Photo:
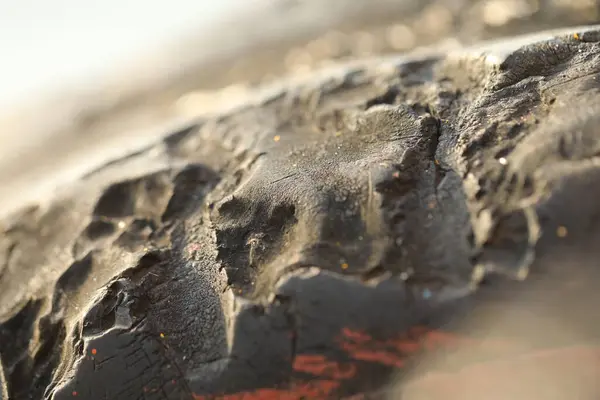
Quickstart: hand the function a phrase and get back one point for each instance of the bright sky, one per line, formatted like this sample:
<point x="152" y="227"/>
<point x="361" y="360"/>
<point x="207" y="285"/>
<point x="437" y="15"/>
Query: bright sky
<point x="45" y="42"/>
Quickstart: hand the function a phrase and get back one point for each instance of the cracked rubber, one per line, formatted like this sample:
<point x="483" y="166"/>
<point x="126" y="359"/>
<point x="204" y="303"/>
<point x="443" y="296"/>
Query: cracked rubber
<point x="327" y="239"/>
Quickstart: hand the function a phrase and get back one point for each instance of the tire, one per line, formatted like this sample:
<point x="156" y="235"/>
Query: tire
<point x="346" y="235"/>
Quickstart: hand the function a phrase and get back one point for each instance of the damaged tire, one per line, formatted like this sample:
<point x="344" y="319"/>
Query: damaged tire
<point x="372" y="231"/>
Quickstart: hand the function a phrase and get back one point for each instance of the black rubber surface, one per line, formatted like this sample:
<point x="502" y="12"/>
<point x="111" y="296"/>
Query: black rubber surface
<point x="337" y="236"/>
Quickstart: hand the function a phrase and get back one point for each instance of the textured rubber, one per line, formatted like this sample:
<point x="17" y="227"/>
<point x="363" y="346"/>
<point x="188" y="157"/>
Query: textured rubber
<point x="334" y="237"/>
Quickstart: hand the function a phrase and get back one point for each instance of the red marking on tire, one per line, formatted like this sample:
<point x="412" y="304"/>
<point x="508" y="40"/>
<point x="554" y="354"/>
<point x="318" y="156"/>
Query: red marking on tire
<point x="318" y="365"/>
<point x="394" y="352"/>
<point x="357" y="336"/>
<point x="377" y="356"/>
<point x="319" y="390"/>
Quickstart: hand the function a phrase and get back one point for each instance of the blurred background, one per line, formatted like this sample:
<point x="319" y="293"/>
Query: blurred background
<point x="85" y="81"/>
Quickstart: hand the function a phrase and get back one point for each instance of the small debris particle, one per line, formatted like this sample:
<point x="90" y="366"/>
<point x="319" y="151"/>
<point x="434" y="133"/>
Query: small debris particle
<point x="437" y="162"/>
<point x="344" y="265"/>
<point x="427" y="294"/>
<point x="276" y="138"/>
<point x="121" y="224"/>
<point x="74" y="393"/>
<point x="396" y="174"/>
<point x="502" y="160"/>
<point x="338" y="134"/>
<point x="561" y="231"/>
<point x="576" y="36"/>
<point x="431" y="205"/>
<point x="94" y="351"/>
<point x="162" y="335"/>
